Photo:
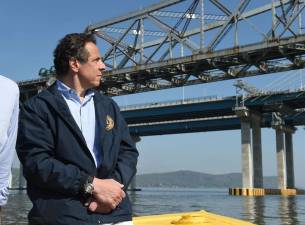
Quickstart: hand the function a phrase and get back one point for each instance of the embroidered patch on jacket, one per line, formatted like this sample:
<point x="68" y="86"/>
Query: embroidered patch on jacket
<point x="109" y="123"/>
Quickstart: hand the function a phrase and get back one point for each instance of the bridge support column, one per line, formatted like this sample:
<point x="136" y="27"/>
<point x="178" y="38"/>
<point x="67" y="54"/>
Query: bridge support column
<point x="281" y="159"/>
<point x="257" y="152"/>
<point x="247" y="158"/>
<point x="22" y="182"/>
<point x="289" y="158"/>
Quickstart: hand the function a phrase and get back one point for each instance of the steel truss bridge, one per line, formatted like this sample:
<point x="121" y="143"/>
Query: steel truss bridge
<point x="185" y="42"/>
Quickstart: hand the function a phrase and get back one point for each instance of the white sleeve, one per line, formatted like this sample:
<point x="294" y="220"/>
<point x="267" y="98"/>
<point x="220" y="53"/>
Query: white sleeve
<point x="9" y="111"/>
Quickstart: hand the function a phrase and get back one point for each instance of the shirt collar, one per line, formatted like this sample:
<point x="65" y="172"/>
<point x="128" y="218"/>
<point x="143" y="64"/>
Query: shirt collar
<point x="71" y="94"/>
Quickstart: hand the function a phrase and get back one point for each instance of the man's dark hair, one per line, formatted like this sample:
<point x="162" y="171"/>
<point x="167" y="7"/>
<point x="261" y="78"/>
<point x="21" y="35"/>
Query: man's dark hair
<point x="71" y="46"/>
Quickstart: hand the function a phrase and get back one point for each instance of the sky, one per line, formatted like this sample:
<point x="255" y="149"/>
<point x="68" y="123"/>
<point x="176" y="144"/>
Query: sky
<point x="30" y="31"/>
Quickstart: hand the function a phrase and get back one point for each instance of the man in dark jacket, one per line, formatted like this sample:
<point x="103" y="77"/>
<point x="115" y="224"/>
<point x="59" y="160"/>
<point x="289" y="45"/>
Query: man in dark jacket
<point x="77" y="154"/>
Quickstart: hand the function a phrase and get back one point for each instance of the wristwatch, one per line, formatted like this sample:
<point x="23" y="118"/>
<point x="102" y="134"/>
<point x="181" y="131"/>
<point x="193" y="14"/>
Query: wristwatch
<point x="88" y="190"/>
<point x="88" y="186"/>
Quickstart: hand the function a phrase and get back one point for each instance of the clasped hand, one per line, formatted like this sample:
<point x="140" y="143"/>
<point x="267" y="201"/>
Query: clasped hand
<point x="107" y="194"/>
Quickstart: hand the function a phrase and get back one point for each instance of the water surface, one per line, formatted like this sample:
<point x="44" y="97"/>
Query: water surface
<point x="267" y="210"/>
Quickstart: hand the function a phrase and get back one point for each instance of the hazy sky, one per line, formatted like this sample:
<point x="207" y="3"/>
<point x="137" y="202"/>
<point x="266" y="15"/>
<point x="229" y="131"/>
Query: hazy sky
<point x="29" y="32"/>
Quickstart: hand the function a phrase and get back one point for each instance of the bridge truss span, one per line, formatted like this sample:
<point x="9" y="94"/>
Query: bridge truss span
<point x="185" y="42"/>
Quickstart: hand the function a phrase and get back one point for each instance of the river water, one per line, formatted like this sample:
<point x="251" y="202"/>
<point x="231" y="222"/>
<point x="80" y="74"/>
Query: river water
<point x="267" y="210"/>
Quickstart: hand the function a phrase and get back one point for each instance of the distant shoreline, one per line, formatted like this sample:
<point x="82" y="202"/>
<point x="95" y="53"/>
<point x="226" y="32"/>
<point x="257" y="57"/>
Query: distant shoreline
<point x="192" y="179"/>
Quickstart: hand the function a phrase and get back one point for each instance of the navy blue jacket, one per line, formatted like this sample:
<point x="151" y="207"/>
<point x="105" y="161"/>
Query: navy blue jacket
<point x="56" y="160"/>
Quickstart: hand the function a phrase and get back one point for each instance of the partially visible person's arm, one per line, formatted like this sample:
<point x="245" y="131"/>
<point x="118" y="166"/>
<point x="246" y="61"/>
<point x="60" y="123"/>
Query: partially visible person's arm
<point x="9" y="110"/>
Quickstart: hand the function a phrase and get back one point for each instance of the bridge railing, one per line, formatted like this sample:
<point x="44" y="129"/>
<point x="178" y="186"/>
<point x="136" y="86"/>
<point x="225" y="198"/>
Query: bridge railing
<point x="170" y="103"/>
<point x="206" y="99"/>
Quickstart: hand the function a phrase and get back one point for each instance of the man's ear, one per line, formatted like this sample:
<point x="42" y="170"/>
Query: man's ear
<point x="74" y="65"/>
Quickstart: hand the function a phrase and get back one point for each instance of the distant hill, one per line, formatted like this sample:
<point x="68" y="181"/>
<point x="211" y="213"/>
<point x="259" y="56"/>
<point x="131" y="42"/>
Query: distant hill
<point x="187" y="179"/>
<point x="191" y="179"/>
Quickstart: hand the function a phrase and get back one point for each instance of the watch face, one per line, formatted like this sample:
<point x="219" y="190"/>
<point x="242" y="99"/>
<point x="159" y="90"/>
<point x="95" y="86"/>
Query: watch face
<point x="89" y="188"/>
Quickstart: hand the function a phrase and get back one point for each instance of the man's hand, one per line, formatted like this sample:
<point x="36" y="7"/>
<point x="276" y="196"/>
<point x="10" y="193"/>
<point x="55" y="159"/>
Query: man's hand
<point x="97" y="207"/>
<point x="107" y="194"/>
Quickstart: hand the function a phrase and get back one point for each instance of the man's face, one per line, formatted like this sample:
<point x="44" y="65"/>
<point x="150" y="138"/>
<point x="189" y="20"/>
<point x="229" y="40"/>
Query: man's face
<point x="90" y="73"/>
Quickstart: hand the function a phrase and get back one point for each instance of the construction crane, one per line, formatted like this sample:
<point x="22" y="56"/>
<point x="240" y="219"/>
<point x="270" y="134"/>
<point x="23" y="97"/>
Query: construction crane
<point x="242" y="85"/>
<point x="241" y="88"/>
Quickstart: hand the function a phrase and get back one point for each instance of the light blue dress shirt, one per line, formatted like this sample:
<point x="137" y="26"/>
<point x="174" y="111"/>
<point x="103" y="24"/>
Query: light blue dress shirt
<point x="84" y="115"/>
<point x="9" y="111"/>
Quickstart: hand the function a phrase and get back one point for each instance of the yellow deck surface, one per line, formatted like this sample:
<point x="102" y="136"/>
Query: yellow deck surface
<point x="188" y="218"/>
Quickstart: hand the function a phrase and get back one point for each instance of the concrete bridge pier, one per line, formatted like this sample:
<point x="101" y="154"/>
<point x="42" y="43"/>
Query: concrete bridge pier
<point x="252" y="166"/>
<point x="289" y="158"/>
<point x="247" y="157"/>
<point x="246" y="152"/>
<point x="257" y="151"/>
<point x="281" y="158"/>
<point x="22" y="181"/>
<point x="284" y="155"/>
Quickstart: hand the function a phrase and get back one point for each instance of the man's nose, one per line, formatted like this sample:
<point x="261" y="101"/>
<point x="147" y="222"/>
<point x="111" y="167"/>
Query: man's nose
<point x="102" y="66"/>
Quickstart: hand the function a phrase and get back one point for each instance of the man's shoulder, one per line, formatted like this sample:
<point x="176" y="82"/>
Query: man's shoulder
<point x="9" y="86"/>
<point x="105" y="99"/>
<point x="37" y="101"/>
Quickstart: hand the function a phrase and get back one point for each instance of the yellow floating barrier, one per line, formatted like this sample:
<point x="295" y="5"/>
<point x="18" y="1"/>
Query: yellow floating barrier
<point x="265" y="191"/>
<point x="188" y="218"/>
<point x="247" y="191"/>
